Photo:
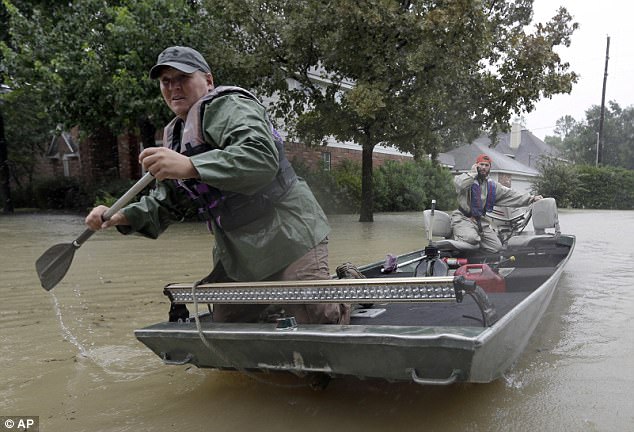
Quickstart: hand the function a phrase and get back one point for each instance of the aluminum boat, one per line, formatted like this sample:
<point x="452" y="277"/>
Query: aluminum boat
<point x="444" y="314"/>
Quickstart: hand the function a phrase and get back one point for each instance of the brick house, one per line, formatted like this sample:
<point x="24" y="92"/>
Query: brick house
<point x="80" y="159"/>
<point x="68" y="156"/>
<point x="334" y="154"/>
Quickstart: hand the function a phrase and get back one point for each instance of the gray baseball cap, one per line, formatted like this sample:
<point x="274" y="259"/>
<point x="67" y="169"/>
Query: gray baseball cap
<point x="184" y="59"/>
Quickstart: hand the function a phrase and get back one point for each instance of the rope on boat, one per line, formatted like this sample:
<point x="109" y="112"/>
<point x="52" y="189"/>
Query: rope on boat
<point x="205" y="342"/>
<point x="197" y="319"/>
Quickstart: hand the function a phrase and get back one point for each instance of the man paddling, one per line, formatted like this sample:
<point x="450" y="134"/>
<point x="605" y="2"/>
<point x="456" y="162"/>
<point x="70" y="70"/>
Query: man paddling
<point x="221" y="155"/>
<point x="477" y="195"/>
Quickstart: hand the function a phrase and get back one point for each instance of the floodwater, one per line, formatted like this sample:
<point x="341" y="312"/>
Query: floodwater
<point x="70" y="357"/>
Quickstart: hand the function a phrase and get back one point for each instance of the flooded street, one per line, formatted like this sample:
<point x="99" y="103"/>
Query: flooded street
<point x="70" y="356"/>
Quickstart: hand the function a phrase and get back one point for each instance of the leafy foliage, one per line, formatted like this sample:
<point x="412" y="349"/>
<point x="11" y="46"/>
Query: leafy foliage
<point x="28" y="131"/>
<point x="605" y="188"/>
<point x="586" y="186"/>
<point x="558" y="180"/>
<point x="88" y="62"/>
<point x="337" y="191"/>
<point x="62" y="193"/>
<point x="404" y="186"/>
<point x="420" y="76"/>
<point x="400" y="186"/>
<point x="578" y="139"/>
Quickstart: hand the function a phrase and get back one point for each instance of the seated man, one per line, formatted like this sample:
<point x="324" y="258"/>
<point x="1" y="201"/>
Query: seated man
<point x="477" y="195"/>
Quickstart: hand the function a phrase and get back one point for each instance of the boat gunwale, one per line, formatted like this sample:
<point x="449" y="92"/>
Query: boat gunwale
<point x="464" y="336"/>
<point x="341" y="332"/>
<point x="518" y="309"/>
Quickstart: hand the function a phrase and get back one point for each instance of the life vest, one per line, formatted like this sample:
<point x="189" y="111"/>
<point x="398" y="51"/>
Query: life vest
<point x="228" y="210"/>
<point x="479" y="209"/>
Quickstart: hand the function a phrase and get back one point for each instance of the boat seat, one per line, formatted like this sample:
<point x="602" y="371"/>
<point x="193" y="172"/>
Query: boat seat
<point x="545" y="217"/>
<point x="442" y="228"/>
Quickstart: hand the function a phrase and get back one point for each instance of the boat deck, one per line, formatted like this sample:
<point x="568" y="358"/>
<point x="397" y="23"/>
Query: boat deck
<point x="519" y="283"/>
<point x="466" y="313"/>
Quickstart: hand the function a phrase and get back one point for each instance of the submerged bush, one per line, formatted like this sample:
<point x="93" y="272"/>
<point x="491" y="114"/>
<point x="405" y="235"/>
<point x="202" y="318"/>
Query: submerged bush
<point x="61" y="193"/>
<point x="557" y="180"/>
<point x="398" y="186"/>
<point x="586" y="186"/>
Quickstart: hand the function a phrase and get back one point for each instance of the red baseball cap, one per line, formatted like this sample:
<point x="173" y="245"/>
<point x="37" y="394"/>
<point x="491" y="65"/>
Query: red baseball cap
<point x="484" y="158"/>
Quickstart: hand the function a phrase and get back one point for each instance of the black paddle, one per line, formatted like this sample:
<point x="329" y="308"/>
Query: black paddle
<point x="54" y="263"/>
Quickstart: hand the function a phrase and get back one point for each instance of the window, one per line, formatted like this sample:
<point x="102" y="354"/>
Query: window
<point x="325" y="160"/>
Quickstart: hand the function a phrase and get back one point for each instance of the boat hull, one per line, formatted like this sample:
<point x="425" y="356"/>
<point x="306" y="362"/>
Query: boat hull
<point x="389" y="352"/>
<point x="425" y="354"/>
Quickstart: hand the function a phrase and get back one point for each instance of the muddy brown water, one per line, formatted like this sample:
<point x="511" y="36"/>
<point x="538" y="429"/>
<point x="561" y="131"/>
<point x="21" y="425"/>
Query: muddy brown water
<point x="70" y="357"/>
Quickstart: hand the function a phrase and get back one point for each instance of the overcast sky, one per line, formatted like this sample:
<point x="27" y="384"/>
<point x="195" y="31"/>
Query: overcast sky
<point x="597" y="20"/>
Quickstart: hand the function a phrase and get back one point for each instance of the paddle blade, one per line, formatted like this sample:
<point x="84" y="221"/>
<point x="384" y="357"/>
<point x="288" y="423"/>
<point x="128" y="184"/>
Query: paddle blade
<point x="53" y="264"/>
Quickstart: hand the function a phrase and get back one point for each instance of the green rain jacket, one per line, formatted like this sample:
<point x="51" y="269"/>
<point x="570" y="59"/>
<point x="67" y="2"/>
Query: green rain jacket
<point x="246" y="161"/>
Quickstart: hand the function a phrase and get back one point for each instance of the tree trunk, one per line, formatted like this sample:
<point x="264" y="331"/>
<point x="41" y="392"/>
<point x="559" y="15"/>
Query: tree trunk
<point x="367" y="189"/>
<point x="104" y="151"/>
<point x="5" y="173"/>
<point x="148" y="131"/>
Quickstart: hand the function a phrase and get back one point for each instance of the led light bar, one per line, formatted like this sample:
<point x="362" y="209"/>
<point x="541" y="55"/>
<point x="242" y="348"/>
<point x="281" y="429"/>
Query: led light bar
<point x="380" y="290"/>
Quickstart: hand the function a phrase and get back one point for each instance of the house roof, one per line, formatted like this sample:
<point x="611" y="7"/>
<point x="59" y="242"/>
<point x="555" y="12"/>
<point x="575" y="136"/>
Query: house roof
<point x="67" y="144"/>
<point x="466" y="155"/>
<point x="529" y="151"/>
<point x="447" y="160"/>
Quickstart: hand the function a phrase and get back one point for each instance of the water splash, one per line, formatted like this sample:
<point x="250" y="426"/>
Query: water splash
<point x="67" y="334"/>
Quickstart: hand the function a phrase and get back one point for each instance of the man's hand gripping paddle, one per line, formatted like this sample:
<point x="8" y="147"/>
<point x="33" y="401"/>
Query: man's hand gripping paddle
<point x="54" y="263"/>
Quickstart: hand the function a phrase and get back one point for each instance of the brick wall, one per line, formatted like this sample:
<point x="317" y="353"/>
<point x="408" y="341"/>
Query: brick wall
<point x="312" y="156"/>
<point x="95" y="163"/>
<point x="129" y="146"/>
<point x="505" y="179"/>
<point x="47" y="167"/>
<point x="90" y="163"/>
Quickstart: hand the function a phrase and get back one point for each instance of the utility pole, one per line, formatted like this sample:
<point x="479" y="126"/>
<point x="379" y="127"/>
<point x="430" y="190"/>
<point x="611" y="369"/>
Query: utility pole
<point x="596" y="161"/>
<point x="605" y="79"/>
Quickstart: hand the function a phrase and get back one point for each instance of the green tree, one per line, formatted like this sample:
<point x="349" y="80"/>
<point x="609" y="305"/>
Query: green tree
<point x="419" y="76"/>
<point x="618" y="137"/>
<point x="26" y="139"/>
<point x="558" y="180"/>
<point x="89" y="61"/>
<point x="563" y="128"/>
<point x="578" y="139"/>
<point x="5" y="175"/>
<point x="604" y="187"/>
<point x="406" y="186"/>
